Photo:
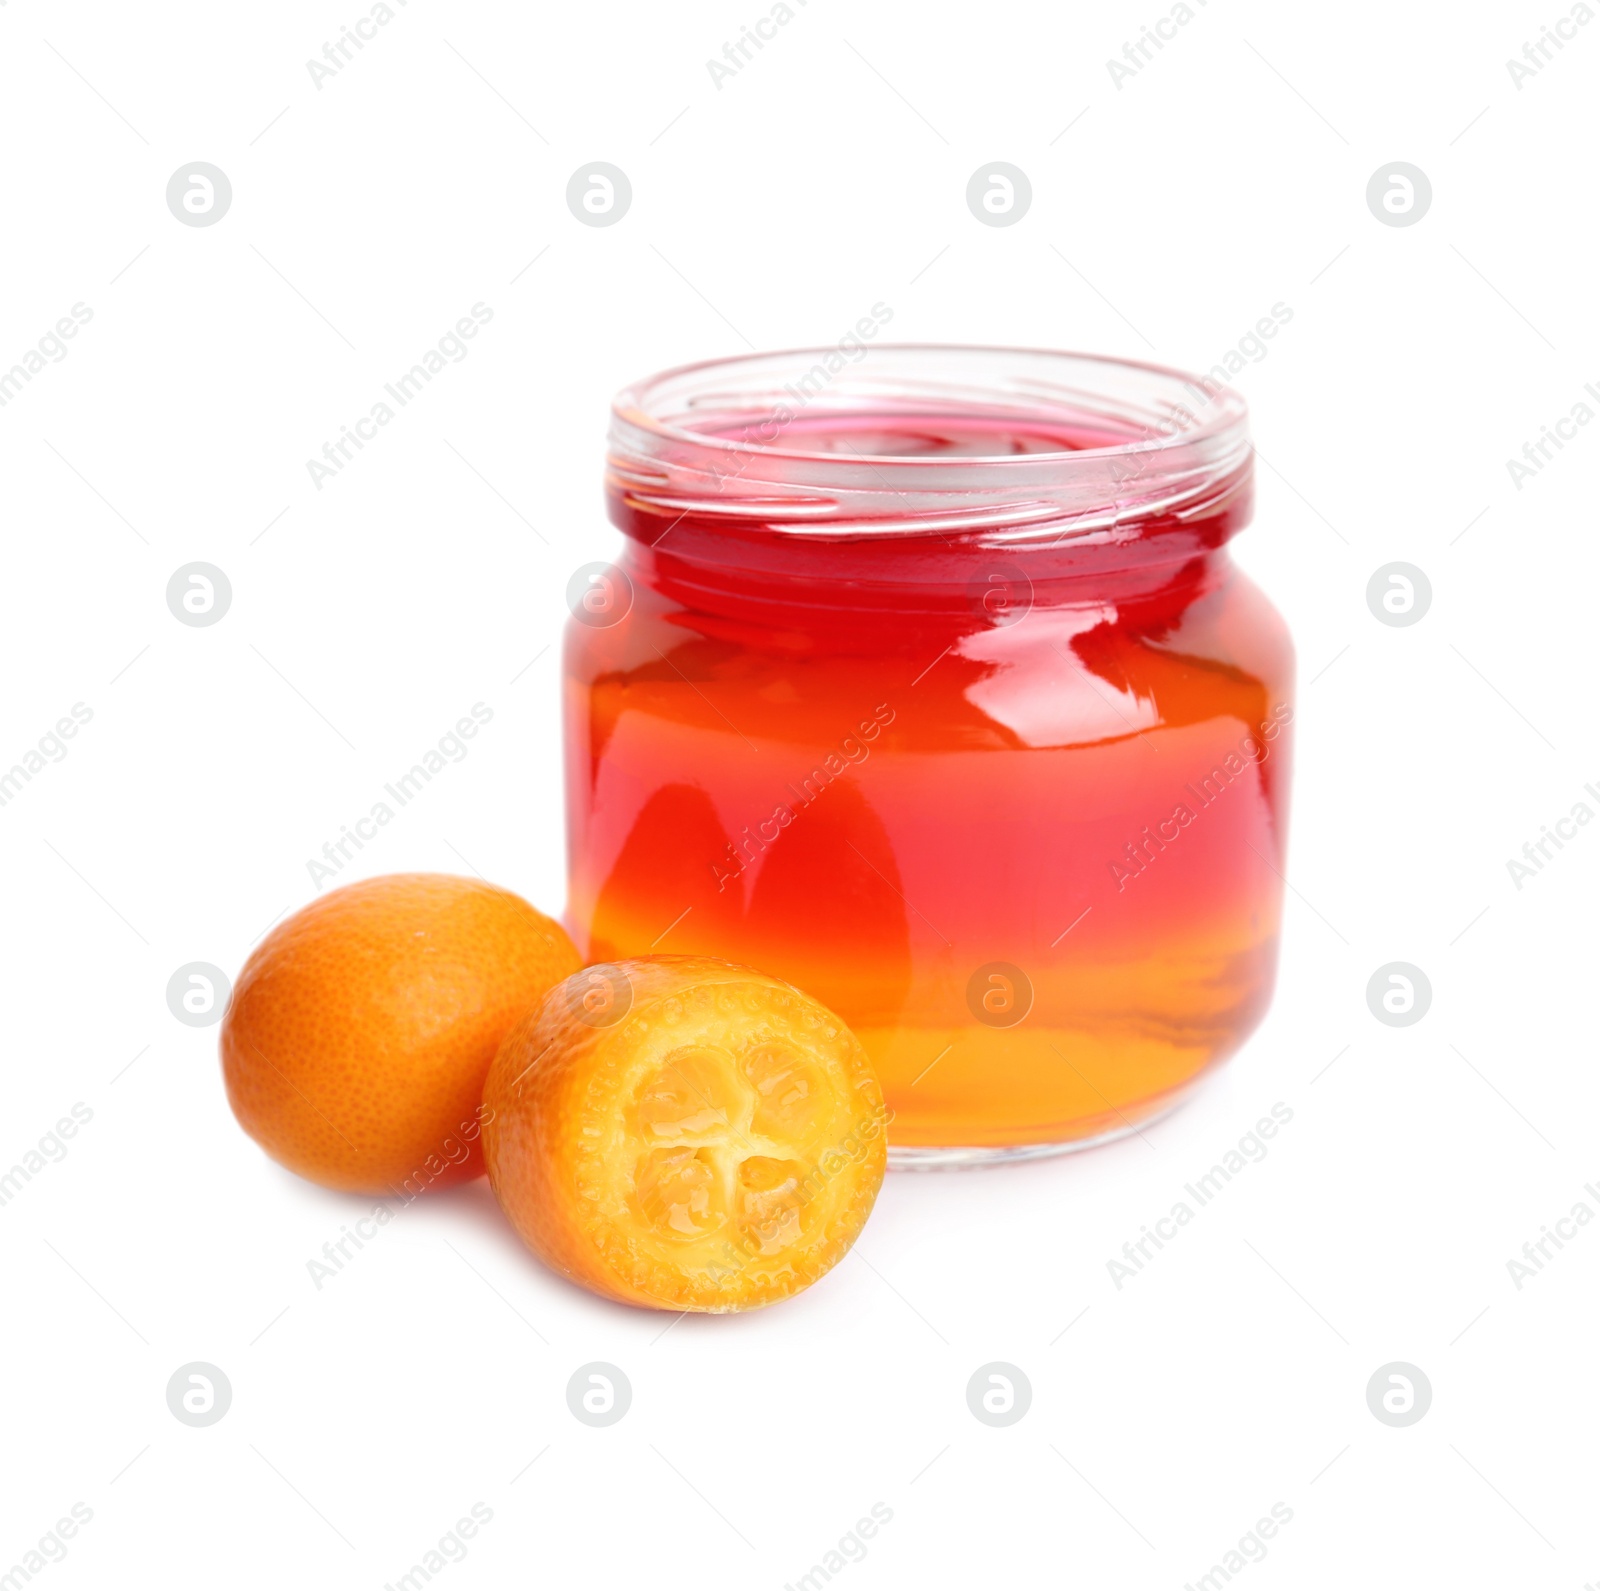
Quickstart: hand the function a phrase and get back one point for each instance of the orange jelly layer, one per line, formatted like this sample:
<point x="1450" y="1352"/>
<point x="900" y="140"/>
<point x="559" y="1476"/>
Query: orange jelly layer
<point x="1029" y="848"/>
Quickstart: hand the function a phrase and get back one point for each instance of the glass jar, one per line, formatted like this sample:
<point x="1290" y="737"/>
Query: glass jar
<point x="926" y="681"/>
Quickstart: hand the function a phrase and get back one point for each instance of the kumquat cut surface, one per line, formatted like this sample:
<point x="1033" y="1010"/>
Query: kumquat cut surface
<point x="682" y="1133"/>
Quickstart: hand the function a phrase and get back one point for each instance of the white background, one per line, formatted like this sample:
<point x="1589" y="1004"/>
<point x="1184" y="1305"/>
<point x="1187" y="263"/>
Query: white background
<point x="1169" y="214"/>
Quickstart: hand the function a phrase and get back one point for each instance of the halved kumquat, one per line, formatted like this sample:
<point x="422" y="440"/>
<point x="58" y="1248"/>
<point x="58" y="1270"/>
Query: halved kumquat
<point x="685" y="1134"/>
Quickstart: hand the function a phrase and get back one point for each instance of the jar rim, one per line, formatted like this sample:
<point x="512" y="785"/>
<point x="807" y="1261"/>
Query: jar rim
<point x="709" y="439"/>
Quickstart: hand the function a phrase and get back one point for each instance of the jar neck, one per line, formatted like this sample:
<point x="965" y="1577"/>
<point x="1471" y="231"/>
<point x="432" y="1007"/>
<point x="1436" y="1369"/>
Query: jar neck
<point x="707" y="565"/>
<point x="893" y="480"/>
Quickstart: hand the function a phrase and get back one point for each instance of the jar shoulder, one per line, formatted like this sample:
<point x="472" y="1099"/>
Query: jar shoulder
<point x="1054" y="674"/>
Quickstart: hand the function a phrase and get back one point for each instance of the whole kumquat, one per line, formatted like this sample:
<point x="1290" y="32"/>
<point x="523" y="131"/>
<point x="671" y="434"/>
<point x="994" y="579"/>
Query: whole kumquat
<point x="360" y="1030"/>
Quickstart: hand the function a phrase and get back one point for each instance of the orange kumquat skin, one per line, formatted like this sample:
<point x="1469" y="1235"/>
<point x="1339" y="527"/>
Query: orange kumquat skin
<point x="356" y="1043"/>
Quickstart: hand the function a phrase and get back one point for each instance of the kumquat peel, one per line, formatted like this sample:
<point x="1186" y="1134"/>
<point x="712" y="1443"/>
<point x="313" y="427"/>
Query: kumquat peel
<point x="360" y="1030"/>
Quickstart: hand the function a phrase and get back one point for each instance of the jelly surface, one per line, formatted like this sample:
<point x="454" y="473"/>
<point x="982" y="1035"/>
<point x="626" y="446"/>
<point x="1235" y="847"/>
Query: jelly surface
<point x="1015" y="813"/>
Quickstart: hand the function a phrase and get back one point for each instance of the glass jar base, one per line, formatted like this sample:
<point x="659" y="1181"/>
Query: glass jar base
<point x="963" y="1157"/>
